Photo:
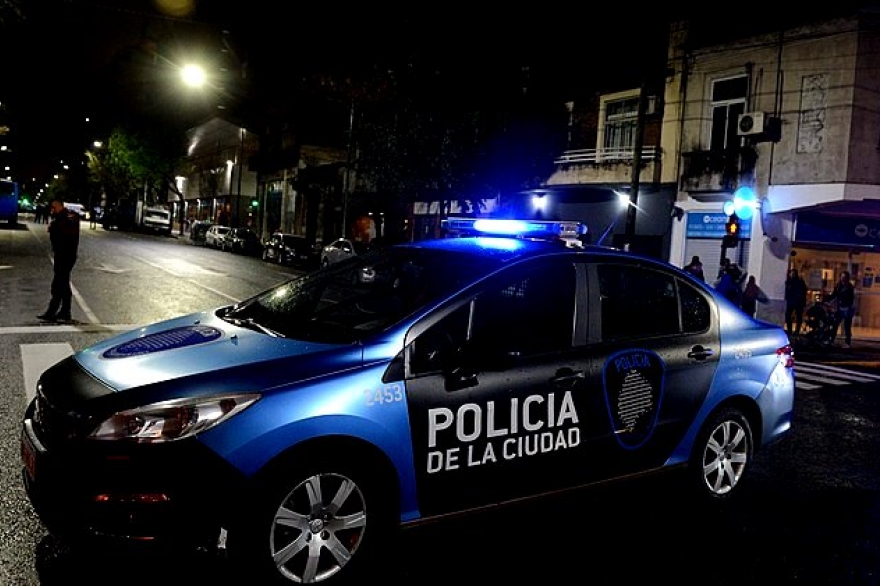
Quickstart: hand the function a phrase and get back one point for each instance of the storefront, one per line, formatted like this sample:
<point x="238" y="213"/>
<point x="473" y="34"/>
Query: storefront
<point x="827" y="245"/>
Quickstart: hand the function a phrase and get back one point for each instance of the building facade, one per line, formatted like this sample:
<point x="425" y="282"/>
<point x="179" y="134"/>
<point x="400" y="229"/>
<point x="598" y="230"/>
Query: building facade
<point x="792" y="115"/>
<point x="795" y="116"/>
<point x="220" y="185"/>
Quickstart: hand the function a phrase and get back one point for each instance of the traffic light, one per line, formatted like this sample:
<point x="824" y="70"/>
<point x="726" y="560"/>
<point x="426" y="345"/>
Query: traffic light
<point x="731" y="232"/>
<point x="255" y="203"/>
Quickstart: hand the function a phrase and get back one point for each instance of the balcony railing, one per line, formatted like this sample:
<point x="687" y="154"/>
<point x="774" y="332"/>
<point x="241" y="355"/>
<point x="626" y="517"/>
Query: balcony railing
<point x="649" y="153"/>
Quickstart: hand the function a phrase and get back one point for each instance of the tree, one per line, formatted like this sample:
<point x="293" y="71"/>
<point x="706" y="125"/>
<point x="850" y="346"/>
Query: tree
<point x="137" y="165"/>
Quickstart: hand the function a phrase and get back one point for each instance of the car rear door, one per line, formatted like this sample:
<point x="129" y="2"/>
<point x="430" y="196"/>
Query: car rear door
<point x="654" y="341"/>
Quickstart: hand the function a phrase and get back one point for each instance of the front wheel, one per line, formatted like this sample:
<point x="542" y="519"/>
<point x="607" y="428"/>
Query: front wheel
<point x="314" y="524"/>
<point x="722" y="454"/>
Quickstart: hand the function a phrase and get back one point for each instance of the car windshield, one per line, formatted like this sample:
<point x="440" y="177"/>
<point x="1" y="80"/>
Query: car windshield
<point x="358" y="297"/>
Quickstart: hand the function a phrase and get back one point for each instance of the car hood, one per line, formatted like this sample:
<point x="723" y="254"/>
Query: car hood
<point x="200" y="343"/>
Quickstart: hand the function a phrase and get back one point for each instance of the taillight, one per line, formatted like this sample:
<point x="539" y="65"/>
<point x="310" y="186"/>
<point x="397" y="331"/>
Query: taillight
<point x="786" y="356"/>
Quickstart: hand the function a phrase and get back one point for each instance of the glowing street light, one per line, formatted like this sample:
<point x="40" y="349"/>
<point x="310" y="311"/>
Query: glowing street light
<point x="193" y="75"/>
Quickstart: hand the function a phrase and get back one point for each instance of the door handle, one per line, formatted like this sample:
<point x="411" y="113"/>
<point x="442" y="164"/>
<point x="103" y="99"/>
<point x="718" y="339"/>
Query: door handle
<point x="567" y="377"/>
<point x="698" y="352"/>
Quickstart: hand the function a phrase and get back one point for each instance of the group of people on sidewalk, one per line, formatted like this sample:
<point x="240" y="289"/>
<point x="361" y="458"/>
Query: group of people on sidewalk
<point x="733" y="284"/>
<point x="841" y="301"/>
<point x="746" y="293"/>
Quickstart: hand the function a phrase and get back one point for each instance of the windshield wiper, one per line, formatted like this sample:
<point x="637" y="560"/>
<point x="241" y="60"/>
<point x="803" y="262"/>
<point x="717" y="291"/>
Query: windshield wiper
<point x="250" y="324"/>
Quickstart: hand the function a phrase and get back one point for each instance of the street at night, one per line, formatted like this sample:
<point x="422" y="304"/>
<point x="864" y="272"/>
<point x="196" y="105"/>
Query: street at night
<point x="809" y="514"/>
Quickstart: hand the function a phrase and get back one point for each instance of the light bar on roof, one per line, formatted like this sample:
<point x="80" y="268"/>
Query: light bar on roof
<point x="547" y="229"/>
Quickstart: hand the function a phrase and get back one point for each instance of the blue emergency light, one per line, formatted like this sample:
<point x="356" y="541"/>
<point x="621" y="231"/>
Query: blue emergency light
<point x="537" y="229"/>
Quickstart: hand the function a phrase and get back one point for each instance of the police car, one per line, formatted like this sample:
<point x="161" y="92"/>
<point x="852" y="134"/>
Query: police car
<point x="301" y="429"/>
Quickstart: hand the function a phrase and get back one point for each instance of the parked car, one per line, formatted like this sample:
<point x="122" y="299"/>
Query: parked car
<point x="306" y="425"/>
<point x="341" y="249"/>
<point x="79" y="208"/>
<point x="216" y="235"/>
<point x="198" y="230"/>
<point x="290" y="249"/>
<point x="242" y="241"/>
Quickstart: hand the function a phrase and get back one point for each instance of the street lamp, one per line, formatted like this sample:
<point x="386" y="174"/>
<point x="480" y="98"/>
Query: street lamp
<point x="193" y="75"/>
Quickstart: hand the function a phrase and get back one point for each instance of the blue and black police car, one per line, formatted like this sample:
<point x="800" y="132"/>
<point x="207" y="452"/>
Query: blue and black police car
<point x="303" y="427"/>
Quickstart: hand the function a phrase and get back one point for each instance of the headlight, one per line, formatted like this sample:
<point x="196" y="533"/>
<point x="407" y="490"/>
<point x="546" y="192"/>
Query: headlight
<point x="171" y="420"/>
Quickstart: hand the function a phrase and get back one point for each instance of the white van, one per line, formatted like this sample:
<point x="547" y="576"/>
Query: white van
<point x="157" y="219"/>
<point x="78" y="208"/>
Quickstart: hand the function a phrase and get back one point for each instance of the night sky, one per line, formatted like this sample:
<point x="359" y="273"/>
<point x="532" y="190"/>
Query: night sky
<point x="60" y="56"/>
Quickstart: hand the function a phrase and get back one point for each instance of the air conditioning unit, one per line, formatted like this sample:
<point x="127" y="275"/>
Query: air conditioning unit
<point x="751" y="123"/>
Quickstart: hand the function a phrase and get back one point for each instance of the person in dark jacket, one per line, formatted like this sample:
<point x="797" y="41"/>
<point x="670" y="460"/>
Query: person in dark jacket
<point x="752" y="295"/>
<point x="730" y="284"/>
<point x="64" y="235"/>
<point x="844" y="294"/>
<point x="795" y="301"/>
<point x="696" y="268"/>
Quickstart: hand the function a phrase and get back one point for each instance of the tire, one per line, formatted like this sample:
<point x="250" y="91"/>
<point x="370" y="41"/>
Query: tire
<point x="314" y="523"/>
<point x="722" y="454"/>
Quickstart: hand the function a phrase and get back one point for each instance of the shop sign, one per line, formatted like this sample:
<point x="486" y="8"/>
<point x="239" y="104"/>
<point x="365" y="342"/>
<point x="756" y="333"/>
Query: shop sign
<point x="711" y="225"/>
<point x="855" y="231"/>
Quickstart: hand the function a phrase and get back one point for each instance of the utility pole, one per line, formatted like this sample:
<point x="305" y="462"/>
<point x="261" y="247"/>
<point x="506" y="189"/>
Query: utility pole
<point x="346" y="186"/>
<point x="632" y="207"/>
<point x="240" y="168"/>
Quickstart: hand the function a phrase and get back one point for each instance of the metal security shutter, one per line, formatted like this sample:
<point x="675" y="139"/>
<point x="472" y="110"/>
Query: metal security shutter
<point x="709" y="251"/>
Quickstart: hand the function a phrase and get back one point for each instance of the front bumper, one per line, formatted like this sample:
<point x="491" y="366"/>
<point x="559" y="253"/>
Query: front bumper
<point x="178" y="492"/>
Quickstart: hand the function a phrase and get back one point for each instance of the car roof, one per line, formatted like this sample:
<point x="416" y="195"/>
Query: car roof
<point x="505" y="249"/>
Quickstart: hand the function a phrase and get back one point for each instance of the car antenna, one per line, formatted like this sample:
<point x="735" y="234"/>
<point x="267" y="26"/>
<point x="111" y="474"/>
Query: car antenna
<point x="605" y="233"/>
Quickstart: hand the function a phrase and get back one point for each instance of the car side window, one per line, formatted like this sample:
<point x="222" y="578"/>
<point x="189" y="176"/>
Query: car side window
<point x="637" y="302"/>
<point x="438" y="347"/>
<point x="695" y="314"/>
<point x="530" y="312"/>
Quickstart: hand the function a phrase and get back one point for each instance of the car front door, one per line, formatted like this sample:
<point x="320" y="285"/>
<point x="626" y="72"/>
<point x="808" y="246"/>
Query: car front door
<point x="497" y="392"/>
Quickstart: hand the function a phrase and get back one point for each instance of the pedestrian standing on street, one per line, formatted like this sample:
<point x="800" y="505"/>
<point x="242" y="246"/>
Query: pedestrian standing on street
<point x="844" y="294"/>
<point x="64" y="236"/>
<point x="695" y="268"/>
<point x="795" y="301"/>
<point x="752" y="295"/>
<point x="730" y="284"/>
<point x="93" y="217"/>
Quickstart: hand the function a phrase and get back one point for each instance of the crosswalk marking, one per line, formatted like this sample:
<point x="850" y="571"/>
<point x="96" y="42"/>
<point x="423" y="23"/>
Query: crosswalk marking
<point x="35" y="358"/>
<point x="808" y="375"/>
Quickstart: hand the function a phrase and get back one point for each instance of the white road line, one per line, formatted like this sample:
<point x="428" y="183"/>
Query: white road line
<point x="79" y="298"/>
<point x="851" y="376"/>
<point x="808" y="376"/>
<point x="821" y="379"/>
<point x="193" y="281"/>
<point x="826" y="368"/>
<point x="36" y="358"/>
<point x="92" y="328"/>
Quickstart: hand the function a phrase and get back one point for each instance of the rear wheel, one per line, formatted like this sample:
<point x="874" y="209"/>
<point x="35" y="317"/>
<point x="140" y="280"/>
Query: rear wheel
<point x="722" y="454"/>
<point x="314" y="523"/>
